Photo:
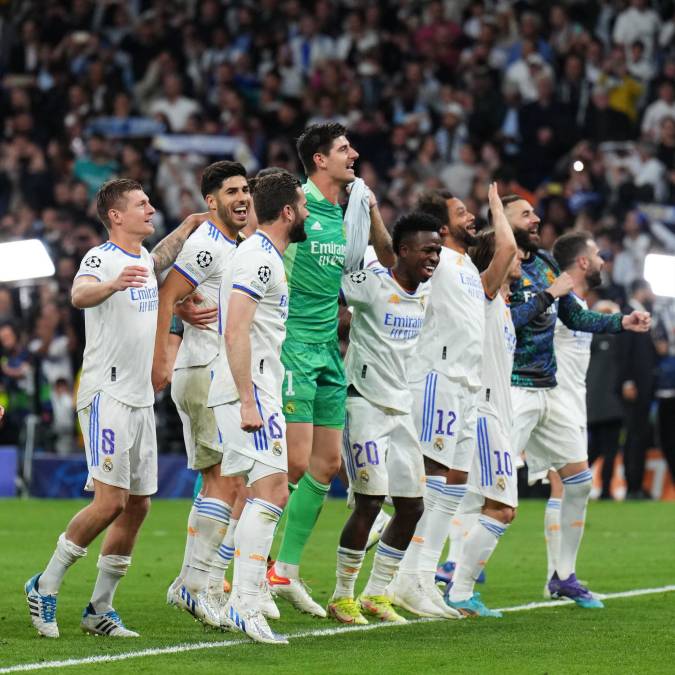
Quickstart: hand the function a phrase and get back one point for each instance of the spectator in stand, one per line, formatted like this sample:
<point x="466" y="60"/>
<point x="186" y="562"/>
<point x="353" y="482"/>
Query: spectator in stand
<point x="662" y="107"/>
<point x="637" y="22"/>
<point x="97" y="166"/>
<point x="173" y="105"/>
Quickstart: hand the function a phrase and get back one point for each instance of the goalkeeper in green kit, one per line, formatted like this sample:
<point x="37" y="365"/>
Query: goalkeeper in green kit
<point x="314" y="388"/>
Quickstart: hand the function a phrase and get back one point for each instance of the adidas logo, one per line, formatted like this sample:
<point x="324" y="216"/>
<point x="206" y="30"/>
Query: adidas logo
<point x="316" y="226"/>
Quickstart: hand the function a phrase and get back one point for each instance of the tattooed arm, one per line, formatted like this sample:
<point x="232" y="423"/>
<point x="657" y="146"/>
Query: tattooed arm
<point x="166" y="251"/>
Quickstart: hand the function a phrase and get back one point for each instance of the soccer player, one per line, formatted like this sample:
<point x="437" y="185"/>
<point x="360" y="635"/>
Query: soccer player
<point x="201" y="264"/>
<point x="246" y="393"/>
<point x="445" y="380"/>
<point x="492" y="489"/>
<point x="544" y="429"/>
<point x="116" y="286"/>
<point x="314" y="388"/>
<point x="381" y="450"/>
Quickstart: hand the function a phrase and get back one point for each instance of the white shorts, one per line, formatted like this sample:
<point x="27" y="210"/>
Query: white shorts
<point x="445" y="413"/>
<point x="381" y="451"/>
<point x="189" y="391"/>
<point x="543" y="428"/>
<point x="121" y="445"/>
<point x="493" y="474"/>
<point x="242" y="451"/>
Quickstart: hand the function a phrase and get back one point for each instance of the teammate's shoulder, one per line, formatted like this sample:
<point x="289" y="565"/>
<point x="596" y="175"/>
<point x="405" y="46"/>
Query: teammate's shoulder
<point x="546" y="257"/>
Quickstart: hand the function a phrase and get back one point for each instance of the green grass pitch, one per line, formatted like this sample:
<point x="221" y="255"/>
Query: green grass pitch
<point x="626" y="546"/>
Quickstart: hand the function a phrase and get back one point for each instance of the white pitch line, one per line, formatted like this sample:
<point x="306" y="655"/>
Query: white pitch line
<point x="319" y="632"/>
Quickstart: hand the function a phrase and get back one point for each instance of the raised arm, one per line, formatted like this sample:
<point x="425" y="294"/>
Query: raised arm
<point x="379" y="236"/>
<point x="505" y="246"/>
<point x="165" y="251"/>
<point x="240" y="312"/>
<point x="173" y="290"/>
<point x="88" y="291"/>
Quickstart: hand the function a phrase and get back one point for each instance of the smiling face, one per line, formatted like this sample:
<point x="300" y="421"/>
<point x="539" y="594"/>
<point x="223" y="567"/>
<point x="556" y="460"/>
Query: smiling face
<point x="232" y="203"/>
<point x="339" y="162"/>
<point x="462" y="223"/>
<point x="525" y="224"/>
<point x="420" y="255"/>
<point x="133" y="214"/>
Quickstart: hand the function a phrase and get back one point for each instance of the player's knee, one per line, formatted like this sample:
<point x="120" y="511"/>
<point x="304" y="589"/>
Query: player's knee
<point x="409" y="509"/>
<point x="368" y="505"/>
<point x="507" y="514"/>
<point x="139" y="507"/>
<point x="297" y="468"/>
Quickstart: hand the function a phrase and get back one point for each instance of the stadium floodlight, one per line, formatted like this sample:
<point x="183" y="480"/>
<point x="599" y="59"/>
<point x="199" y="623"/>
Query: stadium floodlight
<point x="26" y="259"/>
<point x="660" y="273"/>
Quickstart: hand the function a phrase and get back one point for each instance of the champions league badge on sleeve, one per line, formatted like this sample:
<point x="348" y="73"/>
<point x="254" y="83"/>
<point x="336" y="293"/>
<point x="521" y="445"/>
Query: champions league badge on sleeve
<point x="204" y="259"/>
<point x="93" y="261"/>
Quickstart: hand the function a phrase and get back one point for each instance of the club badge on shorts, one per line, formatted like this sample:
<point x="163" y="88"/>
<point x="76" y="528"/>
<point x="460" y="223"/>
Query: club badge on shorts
<point x="276" y="449"/>
<point x="439" y="443"/>
<point x="501" y="483"/>
<point x="107" y="465"/>
<point x="363" y="475"/>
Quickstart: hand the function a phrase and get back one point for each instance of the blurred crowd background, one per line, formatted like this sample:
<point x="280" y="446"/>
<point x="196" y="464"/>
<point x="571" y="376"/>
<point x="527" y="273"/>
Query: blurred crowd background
<point x="570" y="104"/>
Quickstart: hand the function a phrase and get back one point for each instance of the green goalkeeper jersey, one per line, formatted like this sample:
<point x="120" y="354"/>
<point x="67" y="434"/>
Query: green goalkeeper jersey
<point x="314" y="271"/>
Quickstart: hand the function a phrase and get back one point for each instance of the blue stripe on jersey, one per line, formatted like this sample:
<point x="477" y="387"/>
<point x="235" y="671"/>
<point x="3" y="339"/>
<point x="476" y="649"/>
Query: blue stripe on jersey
<point x="88" y="274"/>
<point x="267" y="244"/>
<point x="262" y="432"/>
<point x="109" y="246"/>
<point x="98" y="426"/>
<point x="91" y="433"/>
<point x="484" y="453"/>
<point x="427" y="416"/>
<point x="488" y="451"/>
<point x="248" y="291"/>
<point x="430" y="407"/>
<point x="346" y="446"/>
<point x="188" y="278"/>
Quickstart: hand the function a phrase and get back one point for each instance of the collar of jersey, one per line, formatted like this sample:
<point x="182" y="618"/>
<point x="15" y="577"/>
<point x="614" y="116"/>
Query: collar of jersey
<point x="314" y="190"/>
<point x="210" y="222"/>
<point x="131" y="255"/>
<point x="262" y="234"/>
<point x="399" y="285"/>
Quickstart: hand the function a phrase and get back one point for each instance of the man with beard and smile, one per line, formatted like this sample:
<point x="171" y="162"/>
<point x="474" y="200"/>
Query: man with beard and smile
<point x="201" y="264"/>
<point x="246" y="390"/>
<point x="541" y="410"/>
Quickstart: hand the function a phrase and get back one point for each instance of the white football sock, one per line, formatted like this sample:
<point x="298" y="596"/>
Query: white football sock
<point x="253" y="543"/>
<point x="111" y="569"/>
<point x="222" y="559"/>
<point x="461" y="524"/>
<point x="348" y="567"/>
<point x="190" y="538"/>
<point x="576" y="493"/>
<point x="213" y="515"/>
<point x="411" y="563"/>
<point x="552" y="535"/>
<point x="64" y="556"/>
<point x="385" y="565"/>
<point x="477" y="549"/>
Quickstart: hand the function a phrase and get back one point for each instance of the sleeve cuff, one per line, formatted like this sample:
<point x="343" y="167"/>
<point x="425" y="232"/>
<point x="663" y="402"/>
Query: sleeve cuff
<point x="246" y="291"/>
<point x="187" y="277"/>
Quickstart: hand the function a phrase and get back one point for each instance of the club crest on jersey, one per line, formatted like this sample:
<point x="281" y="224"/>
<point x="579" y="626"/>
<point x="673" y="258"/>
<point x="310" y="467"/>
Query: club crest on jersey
<point x="526" y="282"/>
<point x="264" y="273"/>
<point x="439" y="443"/>
<point x="501" y="483"/>
<point x="363" y="475"/>
<point x="204" y="258"/>
<point x="107" y="465"/>
<point x="550" y="276"/>
<point x="394" y="299"/>
<point x="358" y="277"/>
<point x="93" y="261"/>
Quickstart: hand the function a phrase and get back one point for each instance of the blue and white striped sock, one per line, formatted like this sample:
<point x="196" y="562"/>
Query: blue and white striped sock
<point x="576" y="493"/>
<point x="386" y="562"/>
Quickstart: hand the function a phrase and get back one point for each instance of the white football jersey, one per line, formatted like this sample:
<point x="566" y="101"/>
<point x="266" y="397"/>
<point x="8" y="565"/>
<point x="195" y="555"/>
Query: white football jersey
<point x="386" y="325"/>
<point x="452" y="339"/>
<point x="573" y="354"/>
<point x="204" y="258"/>
<point x="257" y="270"/>
<point x="499" y="347"/>
<point x="120" y="332"/>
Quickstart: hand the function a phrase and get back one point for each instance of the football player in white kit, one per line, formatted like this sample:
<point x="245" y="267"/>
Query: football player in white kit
<point x="445" y="381"/>
<point x="246" y="390"/>
<point x="116" y="285"/>
<point x="381" y="451"/>
<point x="493" y="481"/>
<point x="201" y="265"/>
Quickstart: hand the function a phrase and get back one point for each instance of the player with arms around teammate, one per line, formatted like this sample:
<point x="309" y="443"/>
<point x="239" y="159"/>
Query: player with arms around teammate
<point x="492" y="489"/>
<point x="246" y="393"/>
<point x="314" y="388"/>
<point x="543" y="426"/>
<point x="381" y="452"/>
<point x="117" y="287"/>
<point x="201" y="264"/>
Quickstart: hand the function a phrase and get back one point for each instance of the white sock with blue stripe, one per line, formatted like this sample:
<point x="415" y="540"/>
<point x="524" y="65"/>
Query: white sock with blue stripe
<point x="190" y="538"/>
<point x="253" y="543"/>
<point x="412" y="560"/>
<point x="576" y="493"/>
<point x="211" y="521"/>
<point x="222" y="559"/>
<point x="386" y="562"/>
<point x="478" y="547"/>
<point x="552" y="535"/>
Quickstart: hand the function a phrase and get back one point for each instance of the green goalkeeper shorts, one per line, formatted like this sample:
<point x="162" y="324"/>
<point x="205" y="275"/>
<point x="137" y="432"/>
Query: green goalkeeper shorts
<point x="314" y="389"/>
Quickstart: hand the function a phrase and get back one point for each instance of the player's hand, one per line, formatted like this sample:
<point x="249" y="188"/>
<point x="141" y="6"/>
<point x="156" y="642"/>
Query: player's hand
<point x="250" y="417"/>
<point x="161" y="375"/>
<point x="194" y="220"/>
<point x="494" y="200"/>
<point x="193" y="312"/>
<point x="132" y="276"/>
<point x="629" y="391"/>
<point x="638" y="322"/>
<point x="561" y="286"/>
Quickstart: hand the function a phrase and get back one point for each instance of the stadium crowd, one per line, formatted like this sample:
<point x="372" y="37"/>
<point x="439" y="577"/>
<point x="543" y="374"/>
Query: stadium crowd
<point x="569" y="104"/>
